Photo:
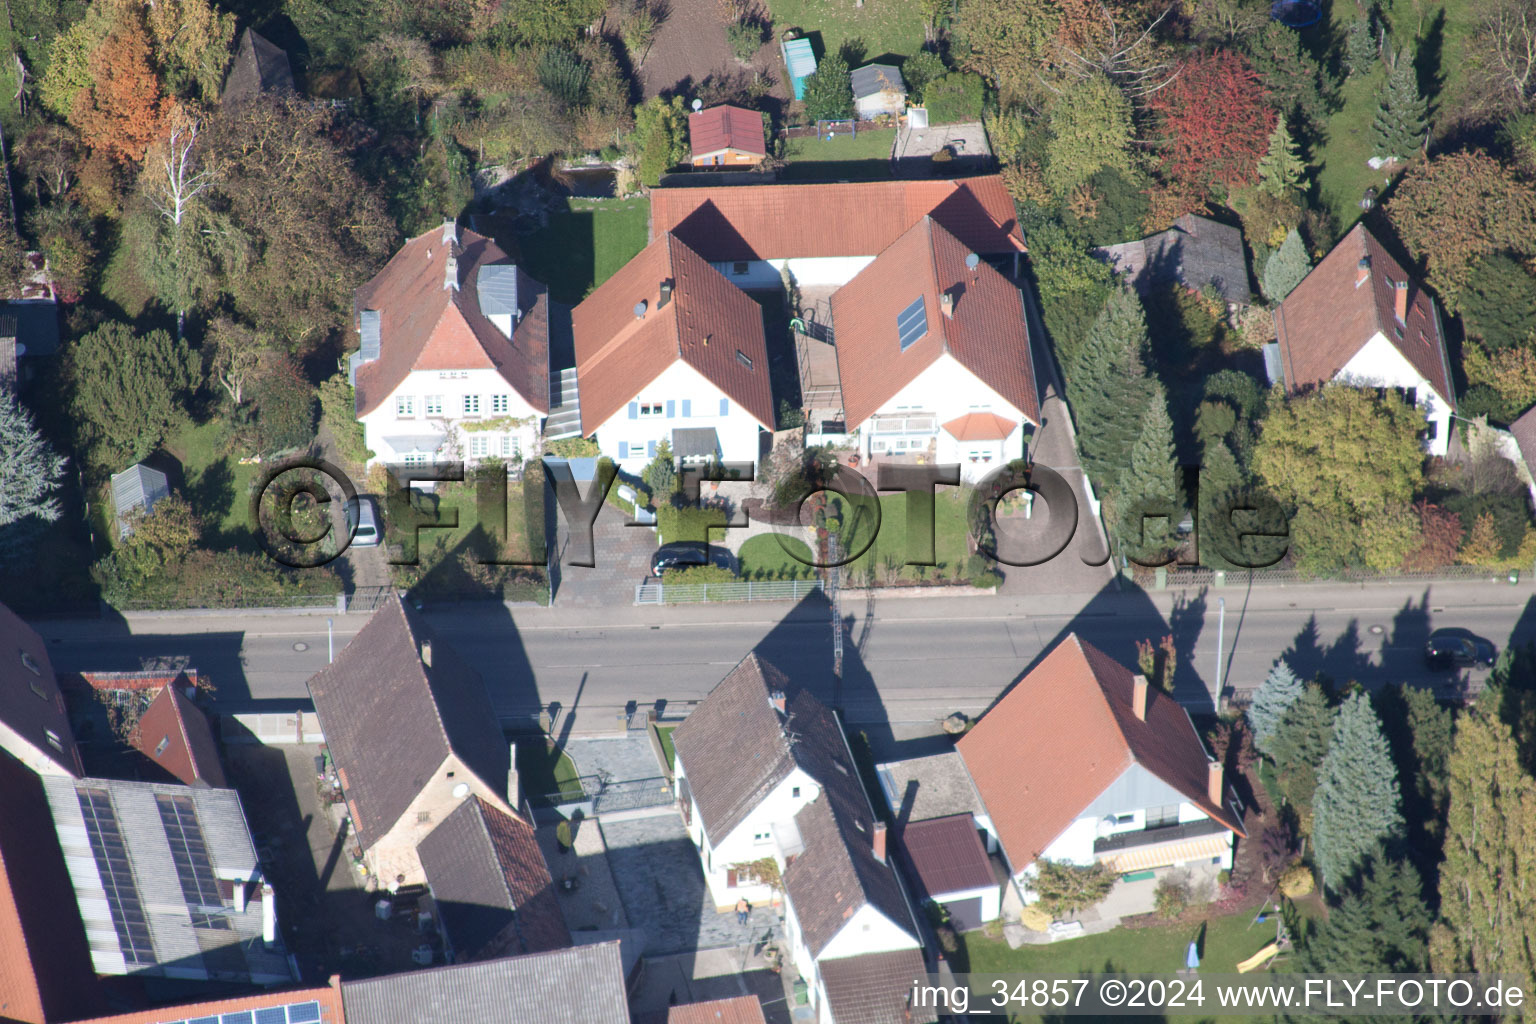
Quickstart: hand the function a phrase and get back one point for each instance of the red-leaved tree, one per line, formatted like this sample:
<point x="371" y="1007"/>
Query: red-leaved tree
<point x="1440" y="536"/>
<point x="123" y="110"/>
<point x="1215" y="121"/>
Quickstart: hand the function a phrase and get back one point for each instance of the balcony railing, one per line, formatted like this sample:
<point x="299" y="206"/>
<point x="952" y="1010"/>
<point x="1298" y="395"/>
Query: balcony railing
<point x="1160" y="834"/>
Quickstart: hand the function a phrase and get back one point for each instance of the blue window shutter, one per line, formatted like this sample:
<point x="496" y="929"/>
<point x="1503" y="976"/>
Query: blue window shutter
<point x="650" y="449"/>
<point x="634" y="410"/>
<point x="671" y="408"/>
<point x="725" y="407"/>
<point x="624" y="447"/>
<point x="687" y="408"/>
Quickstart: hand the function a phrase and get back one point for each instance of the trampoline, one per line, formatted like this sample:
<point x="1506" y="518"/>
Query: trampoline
<point x="1296" y="13"/>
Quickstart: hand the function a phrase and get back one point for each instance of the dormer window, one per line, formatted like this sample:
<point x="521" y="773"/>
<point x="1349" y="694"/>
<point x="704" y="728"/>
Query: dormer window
<point x="31" y="663"/>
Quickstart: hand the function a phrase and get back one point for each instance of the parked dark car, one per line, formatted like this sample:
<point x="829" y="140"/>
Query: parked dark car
<point x="1458" y="648"/>
<point x="685" y="554"/>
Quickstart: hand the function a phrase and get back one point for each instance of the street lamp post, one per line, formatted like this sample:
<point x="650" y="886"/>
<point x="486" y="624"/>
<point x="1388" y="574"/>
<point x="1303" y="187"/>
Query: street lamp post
<point x="330" y="646"/>
<point x="1221" y="628"/>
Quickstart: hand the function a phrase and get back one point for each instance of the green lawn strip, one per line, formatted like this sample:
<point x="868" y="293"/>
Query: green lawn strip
<point x="764" y="557"/>
<point x="664" y="734"/>
<point x="890" y="542"/>
<point x="880" y="28"/>
<point x="1159" y="950"/>
<point x="544" y="770"/>
<point x="215" y="484"/>
<point x="582" y="246"/>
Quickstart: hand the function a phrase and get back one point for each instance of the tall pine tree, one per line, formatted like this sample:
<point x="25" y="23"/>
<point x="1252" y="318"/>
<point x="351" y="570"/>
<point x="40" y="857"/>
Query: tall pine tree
<point x="1488" y="877"/>
<point x="1110" y="388"/>
<point x="1297" y="83"/>
<point x="1274" y="698"/>
<point x="1380" y="925"/>
<point x="1151" y="482"/>
<point x="1357" y="802"/>
<point x="1402" y="114"/>
<point x="1286" y="267"/>
<point x="1281" y="169"/>
<point x="1298" y="748"/>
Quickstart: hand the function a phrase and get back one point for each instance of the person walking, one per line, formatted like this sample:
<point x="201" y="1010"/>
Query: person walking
<point x="743" y="910"/>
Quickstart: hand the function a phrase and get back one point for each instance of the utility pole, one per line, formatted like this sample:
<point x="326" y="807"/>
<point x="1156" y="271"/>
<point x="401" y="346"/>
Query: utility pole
<point x="1221" y="627"/>
<point x="330" y="644"/>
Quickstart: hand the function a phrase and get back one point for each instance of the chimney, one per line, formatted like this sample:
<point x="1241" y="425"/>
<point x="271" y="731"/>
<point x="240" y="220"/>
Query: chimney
<point x="666" y="293"/>
<point x="947" y="304"/>
<point x="1364" y="271"/>
<point x="878" y="841"/>
<point x="1139" y="698"/>
<point x="1400" y="301"/>
<point x="450" y="231"/>
<point x="426" y="653"/>
<point x="1213" y="783"/>
<point x="776" y="698"/>
<point x="451" y="272"/>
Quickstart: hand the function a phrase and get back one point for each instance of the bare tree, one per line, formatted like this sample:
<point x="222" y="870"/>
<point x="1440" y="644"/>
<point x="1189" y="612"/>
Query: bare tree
<point x="177" y="180"/>
<point x="235" y="356"/>
<point x="1504" y="52"/>
<point x="1131" y="62"/>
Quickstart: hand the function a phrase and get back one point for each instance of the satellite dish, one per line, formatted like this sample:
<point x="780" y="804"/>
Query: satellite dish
<point x="698" y="105"/>
<point x="640" y="310"/>
<point x="971" y="260"/>
<point x="461" y="791"/>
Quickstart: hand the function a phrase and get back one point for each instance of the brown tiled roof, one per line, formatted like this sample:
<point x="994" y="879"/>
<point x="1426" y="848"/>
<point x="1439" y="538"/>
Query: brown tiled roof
<point x="838" y="873"/>
<point x="33" y="705"/>
<point x="846" y="219"/>
<point x="189" y="752"/>
<point x="328" y="996"/>
<point x="492" y="887"/>
<point x="945" y="855"/>
<point x="1060" y="737"/>
<point x="876" y="988"/>
<point x="740" y="1010"/>
<point x="733" y="746"/>
<point x="390" y="721"/>
<point x="426" y="326"/>
<point x="1524" y="431"/>
<point x="980" y="426"/>
<point x="987" y="333"/>
<point x="45" y="963"/>
<point x="1328" y="318"/>
<point x="706" y="323"/>
<point x="726" y="127"/>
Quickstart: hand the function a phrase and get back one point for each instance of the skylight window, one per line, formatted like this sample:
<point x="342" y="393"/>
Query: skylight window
<point x="912" y="323"/>
<point x="743" y="359"/>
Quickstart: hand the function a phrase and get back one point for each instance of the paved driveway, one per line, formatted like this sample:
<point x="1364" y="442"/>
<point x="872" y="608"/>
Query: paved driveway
<point x="623" y="557"/>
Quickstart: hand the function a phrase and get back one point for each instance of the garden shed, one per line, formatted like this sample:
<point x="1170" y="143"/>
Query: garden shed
<point x="136" y="487"/>
<point x="800" y="59"/>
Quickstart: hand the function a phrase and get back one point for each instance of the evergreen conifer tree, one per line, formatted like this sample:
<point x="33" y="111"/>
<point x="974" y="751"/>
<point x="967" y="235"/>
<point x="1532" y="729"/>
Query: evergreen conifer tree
<point x="1402" y="114"/>
<point x="1110" y="387"/>
<point x="1274" y="698"/>
<point x="1357" y="802"/>
<point x="1298" y="747"/>
<point x="1151" y="481"/>
<point x="1381" y="924"/>
<point x="1281" y="169"/>
<point x="1286" y="267"/>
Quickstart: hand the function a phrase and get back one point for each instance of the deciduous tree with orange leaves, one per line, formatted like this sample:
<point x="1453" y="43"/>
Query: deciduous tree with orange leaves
<point x="123" y="109"/>
<point x="1216" y="121"/>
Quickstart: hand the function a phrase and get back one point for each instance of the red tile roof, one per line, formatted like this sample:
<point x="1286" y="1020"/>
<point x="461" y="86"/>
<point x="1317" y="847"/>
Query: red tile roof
<point x="328" y="996"/>
<point x="740" y="1010"/>
<point x="38" y="707"/>
<point x="1329" y="318"/>
<point x="1060" y="737"/>
<point x="189" y="752"/>
<point x="945" y="855"/>
<point x="980" y="426"/>
<point x="45" y="963"/>
<point x="987" y="333"/>
<point x="876" y="988"/>
<point x="850" y="219"/>
<point x="426" y="326"/>
<point x="726" y="127"/>
<point x="706" y="323"/>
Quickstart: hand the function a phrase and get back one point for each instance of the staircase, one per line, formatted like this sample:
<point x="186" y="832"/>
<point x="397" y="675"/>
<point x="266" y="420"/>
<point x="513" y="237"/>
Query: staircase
<point x="564" y="406"/>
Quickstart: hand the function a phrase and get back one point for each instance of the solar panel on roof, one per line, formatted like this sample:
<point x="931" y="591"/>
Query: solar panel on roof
<point x="111" y="855"/>
<point x="912" y="323"/>
<point x="238" y="1017"/>
<point x="304" y="1013"/>
<point x="199" y="885"/>
<point x="272" y="1015"/>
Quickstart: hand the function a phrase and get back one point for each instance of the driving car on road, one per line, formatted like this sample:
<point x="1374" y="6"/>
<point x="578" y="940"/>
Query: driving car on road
<point x="1458" y="648"/>
<point x="685" y="554"/>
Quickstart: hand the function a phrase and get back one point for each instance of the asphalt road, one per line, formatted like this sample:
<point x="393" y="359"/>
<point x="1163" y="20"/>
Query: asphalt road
<point x="907" y="662"/>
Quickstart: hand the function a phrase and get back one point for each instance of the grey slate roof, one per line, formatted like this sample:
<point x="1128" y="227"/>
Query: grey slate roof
<point x="493" y="890"/>
<point x="259" y="66"/>
<point x="874" y="78"/>
<point x="875" y="988"/>
<point x="695" y="442"/>
<point x="933" y="786"/>
<point x="390" y="720"/>
<point x="582" y="985"/>
<point x="1196" y="251"/>
<point x="138" y="486"/>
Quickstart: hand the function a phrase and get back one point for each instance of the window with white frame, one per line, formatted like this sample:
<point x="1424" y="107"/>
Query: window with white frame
<point x="414" y="458"/>
<point x="434" y="404"/>
<point x="405" y="405"/>
<point x="471" y="405"/>
<point x="761" y="837"/>
<point x="452" y="374"/>
<point x="650" y="408"/>
<point x="499" y="403"/>
<point x="479" y="446"/>
<point x="511" y="447"/>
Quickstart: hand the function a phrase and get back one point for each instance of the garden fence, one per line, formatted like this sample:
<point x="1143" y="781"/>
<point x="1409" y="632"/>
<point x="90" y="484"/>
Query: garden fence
<point x="1160" y="580"/>
<point x="744" y="590"/>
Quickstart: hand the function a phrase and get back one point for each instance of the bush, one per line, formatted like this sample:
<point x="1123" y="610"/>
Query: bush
<point x="957" y="96"/>
<point x="829" y="92"/>
<point x="700" y="574"/>
<point x="745" y="38"/>
<point x="1297" y="882"/>
<point x="338" y="411"/>
<point x="1223" y="877"/>
<point x="563" y="836"/>
<point x="689" y="523"/>
<point x="564" y="76"/>
<point x="573" y="448"/>
<point x="1172" y="896"/>
<point x="918" y="70"/>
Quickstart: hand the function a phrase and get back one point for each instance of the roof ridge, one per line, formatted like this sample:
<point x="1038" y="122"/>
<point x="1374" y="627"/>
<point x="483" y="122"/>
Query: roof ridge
<point x="181" y="727"/>
<point x="1098" y="686"/>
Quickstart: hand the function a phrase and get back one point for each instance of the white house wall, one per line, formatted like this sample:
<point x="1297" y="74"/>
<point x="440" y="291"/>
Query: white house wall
<point x="991" y="900"/>
<point x="688" y="399"/>
<point x="451" y="387"/>
<point x="1380" y="364"/>
<point x="867" y="931"/>
<point x="761" y="275"/>
<point x="741" y="846"/>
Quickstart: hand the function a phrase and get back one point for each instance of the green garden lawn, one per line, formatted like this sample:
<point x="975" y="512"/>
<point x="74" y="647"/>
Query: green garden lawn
<point x="216" y="485"/>
<point x="881" y="28"/>
<point x="543" y="770"/>
<point x="866" y="155"/>
<point x="764" y="557"/>
<point x="890" y="542"/>
<point x="582" y="246"/>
